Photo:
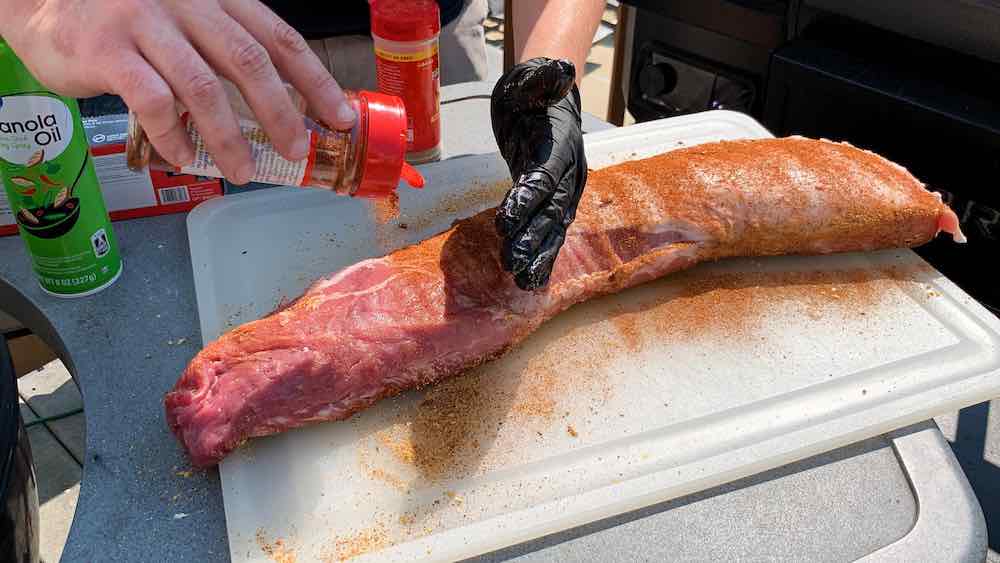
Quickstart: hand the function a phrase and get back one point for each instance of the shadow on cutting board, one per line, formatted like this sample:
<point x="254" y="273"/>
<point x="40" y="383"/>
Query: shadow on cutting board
<point x="975" y="442"/>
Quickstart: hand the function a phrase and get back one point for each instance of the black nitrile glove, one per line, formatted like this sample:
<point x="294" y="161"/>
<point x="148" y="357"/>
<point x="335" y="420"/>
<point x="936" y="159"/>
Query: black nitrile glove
<point x="536" y="120"/>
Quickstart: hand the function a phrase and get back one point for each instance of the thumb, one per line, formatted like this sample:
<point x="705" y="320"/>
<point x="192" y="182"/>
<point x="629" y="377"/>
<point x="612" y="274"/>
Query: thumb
<point x="535" y="84"/>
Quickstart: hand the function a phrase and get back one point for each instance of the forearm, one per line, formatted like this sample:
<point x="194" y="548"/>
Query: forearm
<point x="557" y="29"/>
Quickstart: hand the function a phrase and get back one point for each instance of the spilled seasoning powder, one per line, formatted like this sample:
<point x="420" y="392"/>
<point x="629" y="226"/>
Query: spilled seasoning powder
<point x="276" y="550"/>
<point x="367" y="540"/>
<point x="402" y="450"/>
<point x="733" y="306"/>
<point x="379" y="474"/>
<point x="454" y="429"/>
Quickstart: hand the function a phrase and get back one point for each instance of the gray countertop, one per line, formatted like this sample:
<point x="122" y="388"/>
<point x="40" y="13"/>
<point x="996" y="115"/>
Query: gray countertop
<point x="127" y="345"/>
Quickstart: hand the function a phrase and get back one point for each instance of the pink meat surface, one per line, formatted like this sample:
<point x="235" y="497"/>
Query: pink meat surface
<point x="441" y="307"/>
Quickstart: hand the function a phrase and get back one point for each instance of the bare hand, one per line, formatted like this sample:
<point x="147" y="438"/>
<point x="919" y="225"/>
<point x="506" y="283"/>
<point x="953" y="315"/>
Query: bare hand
<point x="154" y="53"/>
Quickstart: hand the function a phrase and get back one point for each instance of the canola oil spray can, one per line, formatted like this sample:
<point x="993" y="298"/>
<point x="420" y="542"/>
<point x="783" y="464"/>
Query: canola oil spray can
<point x="51" y="187"/>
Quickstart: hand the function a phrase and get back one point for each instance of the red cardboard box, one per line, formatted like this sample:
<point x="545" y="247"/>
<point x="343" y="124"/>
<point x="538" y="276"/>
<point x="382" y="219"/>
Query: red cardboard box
<point x="129" y="194"/>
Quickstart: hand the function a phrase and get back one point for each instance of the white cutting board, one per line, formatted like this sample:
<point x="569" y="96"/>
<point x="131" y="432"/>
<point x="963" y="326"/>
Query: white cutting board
<point x="689" y="382"/>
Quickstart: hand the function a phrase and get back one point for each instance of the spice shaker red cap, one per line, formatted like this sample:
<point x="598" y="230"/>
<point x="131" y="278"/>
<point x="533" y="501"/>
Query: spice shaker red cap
<point x="405" y="20"/>
<point x="384" y="133"/>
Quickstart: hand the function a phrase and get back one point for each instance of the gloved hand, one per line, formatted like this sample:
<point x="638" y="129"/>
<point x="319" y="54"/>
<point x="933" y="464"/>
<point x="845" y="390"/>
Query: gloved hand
<point x="535" y="109"/>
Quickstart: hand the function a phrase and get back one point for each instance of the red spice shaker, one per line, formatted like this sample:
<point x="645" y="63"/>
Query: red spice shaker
<point x="365" y="161"/>
<point x="405" y="33"/>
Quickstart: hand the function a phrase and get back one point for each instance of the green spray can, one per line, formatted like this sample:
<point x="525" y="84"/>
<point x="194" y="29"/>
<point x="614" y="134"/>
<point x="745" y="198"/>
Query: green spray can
<point x="52" y="189"/>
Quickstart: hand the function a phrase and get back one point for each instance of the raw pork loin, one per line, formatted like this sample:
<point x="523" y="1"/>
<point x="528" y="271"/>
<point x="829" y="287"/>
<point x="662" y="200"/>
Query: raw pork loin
<point x="441" y="307"/>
